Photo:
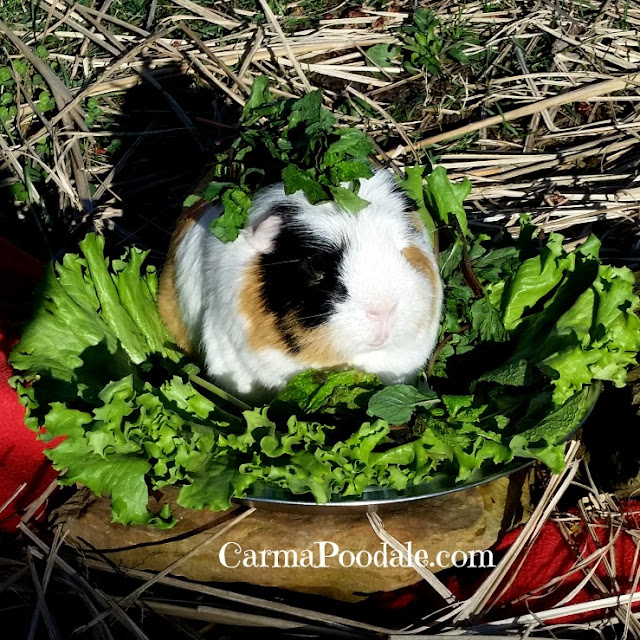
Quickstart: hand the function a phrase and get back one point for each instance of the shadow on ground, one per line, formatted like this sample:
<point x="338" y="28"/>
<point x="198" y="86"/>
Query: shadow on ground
<point x="168" y="136"/>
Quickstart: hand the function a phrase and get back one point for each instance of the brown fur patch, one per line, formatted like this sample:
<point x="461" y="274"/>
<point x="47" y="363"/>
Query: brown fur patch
<point x="416" y="221"/>
<point x="263" y="328"/>
<point x="169" y="308"/>
<point x="316" y="347"/>
<point x="168" y="305"/>
<point x="423" y="263"/>
<point x="266" y="331"/>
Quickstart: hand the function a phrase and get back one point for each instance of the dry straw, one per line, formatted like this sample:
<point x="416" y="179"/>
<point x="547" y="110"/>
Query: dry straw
<point x="594" y="66"/>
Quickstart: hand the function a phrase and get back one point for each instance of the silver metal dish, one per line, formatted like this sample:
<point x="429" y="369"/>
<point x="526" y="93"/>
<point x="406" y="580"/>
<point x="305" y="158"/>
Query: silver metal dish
<point x="263" y="496"/>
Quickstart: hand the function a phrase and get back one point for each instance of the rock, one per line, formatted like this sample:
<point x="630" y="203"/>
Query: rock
<point x="464" y="521"/>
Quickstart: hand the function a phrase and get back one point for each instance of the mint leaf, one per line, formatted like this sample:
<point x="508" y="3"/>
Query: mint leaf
<point x="445" y="198"/>
<point x="516" y="374"/>
<point x="236" y="205"/>
<point x="296" y="140"/>
<point x="350" y="170"/>
<point x="397" y="403"/>
<point x="487" y="321"/>
<point x="327" y="391"/>
<point x="347" y="200"/>
<point x="457" y="405"/>
<point x="309" y="112"/>
<point x="543" y="442"/>
<point x="351" y="143"/>
<point x="296" y="179"/>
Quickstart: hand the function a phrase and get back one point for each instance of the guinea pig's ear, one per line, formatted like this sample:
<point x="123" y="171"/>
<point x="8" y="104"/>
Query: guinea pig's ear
<point x="261" y="235"/>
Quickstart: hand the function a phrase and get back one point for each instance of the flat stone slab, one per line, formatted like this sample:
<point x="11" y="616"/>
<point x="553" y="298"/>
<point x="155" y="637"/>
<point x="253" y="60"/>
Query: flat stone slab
<point x="325" y="554"/>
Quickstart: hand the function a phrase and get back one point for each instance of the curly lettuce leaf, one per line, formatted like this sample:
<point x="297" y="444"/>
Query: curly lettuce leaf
<point x="216" y="485"/>
<point x="327" y="391"/>
<point x="570" y="317"/>
<point x="84" y="304"/>
<point x="597" y="338"/>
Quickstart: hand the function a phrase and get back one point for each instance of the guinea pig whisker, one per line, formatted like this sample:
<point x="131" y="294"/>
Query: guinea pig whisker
<point x="272" y="264"/>
<point x="316" y="315"/>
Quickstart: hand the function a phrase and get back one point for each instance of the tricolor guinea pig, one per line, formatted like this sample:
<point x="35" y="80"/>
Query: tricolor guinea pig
<point x="305" y="286"/>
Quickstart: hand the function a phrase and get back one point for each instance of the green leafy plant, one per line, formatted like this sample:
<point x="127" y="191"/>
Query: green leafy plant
<point x="293" y="140"/>
<point x="46" y="102"/>
<point x="93" y="111"/>
<point x="8" y="107"/>
<point x="428" y="44"/>
<point x="19" y="192"/>
<point x="6" y="79"/>
<point x="526" y="330"/>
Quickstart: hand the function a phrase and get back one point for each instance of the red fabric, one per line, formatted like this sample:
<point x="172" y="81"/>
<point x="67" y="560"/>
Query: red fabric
<point x="551" y="556"/>
<point x="21" y="457"/>
<point x="521" y="592"/>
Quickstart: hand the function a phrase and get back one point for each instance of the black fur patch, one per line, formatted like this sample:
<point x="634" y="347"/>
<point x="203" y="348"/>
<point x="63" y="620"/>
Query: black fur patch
<point x="300" y="278"/>
<point x="407" y="202"/>
<point x="410" y="207"/>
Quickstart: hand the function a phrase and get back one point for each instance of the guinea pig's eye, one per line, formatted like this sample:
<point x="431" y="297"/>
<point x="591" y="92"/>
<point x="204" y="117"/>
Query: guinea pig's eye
<point x="314" y="270"/>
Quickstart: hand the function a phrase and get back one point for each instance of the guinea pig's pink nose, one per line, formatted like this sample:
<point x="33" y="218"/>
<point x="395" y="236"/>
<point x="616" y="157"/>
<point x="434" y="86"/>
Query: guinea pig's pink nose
<point x="381" y="311"/>
<point x="381" y="318"/>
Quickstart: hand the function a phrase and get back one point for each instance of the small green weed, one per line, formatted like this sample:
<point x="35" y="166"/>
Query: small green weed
<point x="429" y="44"/>
<point x="93" y="111"/>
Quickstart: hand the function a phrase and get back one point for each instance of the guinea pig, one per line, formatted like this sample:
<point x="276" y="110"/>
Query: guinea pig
<point x="305" y="286"/>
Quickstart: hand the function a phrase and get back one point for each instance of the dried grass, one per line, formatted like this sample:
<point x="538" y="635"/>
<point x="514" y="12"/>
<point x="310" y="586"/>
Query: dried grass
<point x="554" y="173"/>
